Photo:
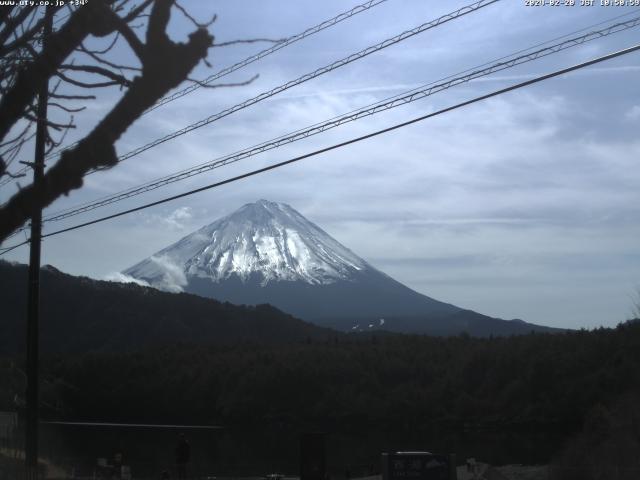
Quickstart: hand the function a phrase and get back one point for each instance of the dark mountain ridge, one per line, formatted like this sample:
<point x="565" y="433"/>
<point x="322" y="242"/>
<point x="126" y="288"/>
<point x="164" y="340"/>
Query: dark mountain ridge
<point x="82" y="314"/>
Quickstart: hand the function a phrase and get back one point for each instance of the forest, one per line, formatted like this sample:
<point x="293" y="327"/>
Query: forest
<point x="535" y="381"/>
<point x="186" y="360"/>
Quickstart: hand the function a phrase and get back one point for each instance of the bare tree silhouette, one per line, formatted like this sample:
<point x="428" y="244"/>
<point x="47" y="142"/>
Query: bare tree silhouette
<point x="26" y="62"/>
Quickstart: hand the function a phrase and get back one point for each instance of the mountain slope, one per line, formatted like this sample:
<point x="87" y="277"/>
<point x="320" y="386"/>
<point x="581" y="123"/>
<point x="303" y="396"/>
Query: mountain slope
<point x="267" y="252"/>
<point x="264" y="238"/>
<point x="81" y="314"/>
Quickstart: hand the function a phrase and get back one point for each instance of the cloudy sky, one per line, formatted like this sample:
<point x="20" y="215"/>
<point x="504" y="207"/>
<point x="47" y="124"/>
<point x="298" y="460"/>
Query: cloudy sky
<point x="523" y="206"/>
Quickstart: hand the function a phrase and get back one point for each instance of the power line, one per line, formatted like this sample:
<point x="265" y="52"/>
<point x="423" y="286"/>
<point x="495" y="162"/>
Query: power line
<point x="316" y="73"/>
<point x="8" y="249"/>
<point x="254" y="58"/>
<point x="383" y="105"/>
<point x="348" y="142"/>
<point x="268" y="51"/>
<point x="288" y="41"/>
<point x="309" y="76"/>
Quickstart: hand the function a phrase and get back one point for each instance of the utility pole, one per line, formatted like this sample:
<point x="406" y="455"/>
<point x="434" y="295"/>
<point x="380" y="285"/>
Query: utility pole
<point x="33" y="313"/>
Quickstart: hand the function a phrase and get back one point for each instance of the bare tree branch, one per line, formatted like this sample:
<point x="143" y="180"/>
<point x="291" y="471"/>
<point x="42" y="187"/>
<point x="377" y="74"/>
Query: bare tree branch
<point x="5" y="13"/>
<point x="23" y="39"/>
<point x="165" y="65"/>
<point x="66" y="109"/>
<point x="49" y="123"/>
<point x="4" y="171"/>
<point x="193" y="20"/>
<point x="17" y="137"/>
<point x="137" y="11"/>
<point x="81" y="84"/>
<point x="72" y="97"/>
<point x="57" y="143"/>
<point x="102" y="52"/>
<point x="103" y="61"/>
<point x="13" y="23"/>
<point x="60" y="46"/>
<point x="13" y="152"/>
<point x="97" y="70"/>
<point x="129" y="35"/>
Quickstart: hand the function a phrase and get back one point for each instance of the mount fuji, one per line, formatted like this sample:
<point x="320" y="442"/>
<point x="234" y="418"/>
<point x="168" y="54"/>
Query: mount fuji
<point x="267" y="252"/>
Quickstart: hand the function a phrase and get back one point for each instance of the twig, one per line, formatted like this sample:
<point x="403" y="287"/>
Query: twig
<point x="17" y="137"/>
<point x="98" y="71"/>
<point x="106" y="62"/>
<point x="135" y="13"/>
<point x="78" y="83"/>
<point x="106" y="50"/>
<point x="64" y="135"/>
<point x="193" y="20"/>
<point x="72" y="97"/>
<point x="49" y="123"/>
<point x="66" y="109"/>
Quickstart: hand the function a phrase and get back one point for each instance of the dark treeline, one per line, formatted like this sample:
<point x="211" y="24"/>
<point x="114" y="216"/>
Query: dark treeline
<point x="533" y="381"/>
<point x="79" y="314"/>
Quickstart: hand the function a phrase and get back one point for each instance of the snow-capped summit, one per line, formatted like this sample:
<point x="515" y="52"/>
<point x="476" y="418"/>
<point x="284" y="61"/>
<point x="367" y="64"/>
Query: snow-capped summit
<point x="265" y="239"/>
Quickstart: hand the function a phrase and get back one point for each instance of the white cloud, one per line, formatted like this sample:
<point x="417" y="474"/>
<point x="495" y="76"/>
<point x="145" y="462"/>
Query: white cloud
<point x="173" y="280"/>
<point x="176" y="220"/>
<point x="633" y="113"/>
<point x="179" y="217"/>
<point x="122" y="278"/>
